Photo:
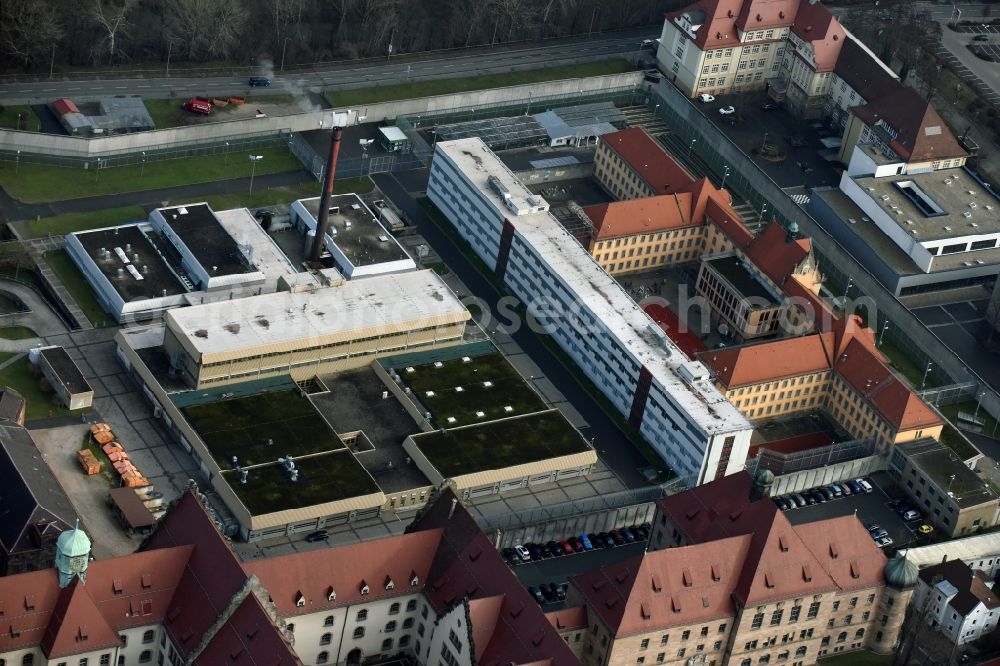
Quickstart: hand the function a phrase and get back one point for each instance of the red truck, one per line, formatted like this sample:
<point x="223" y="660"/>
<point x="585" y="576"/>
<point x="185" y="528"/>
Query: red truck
<point x="196" y="105"/>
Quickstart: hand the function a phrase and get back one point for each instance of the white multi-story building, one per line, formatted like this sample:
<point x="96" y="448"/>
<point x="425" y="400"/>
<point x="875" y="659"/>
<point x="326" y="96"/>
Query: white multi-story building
<point x="981" y="552"/>
<point x="957" y="600"/>
<point x="667" y="398"/>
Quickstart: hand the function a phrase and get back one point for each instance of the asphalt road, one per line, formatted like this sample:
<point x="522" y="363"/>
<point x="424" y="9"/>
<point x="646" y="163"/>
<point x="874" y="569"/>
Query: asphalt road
<point x="345" y="75"/>
<point x="612" y="446"/>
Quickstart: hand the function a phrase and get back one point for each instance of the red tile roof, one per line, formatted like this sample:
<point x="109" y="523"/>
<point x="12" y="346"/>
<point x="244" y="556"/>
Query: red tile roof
<point x="248" y="639"/>
<point x="859" y="69"/>
<point x="77" y="625"/>
<point x="467" y="566"/>
<point x="922" y="134"/>
<point x="867" y="374"/>
<point x="664" y="588"/>
<point x="845" y="551"/>
<point x="567" y="619"/>
<point x="648" y="159"/>
<point x="312" y="575"/>
<point x="647" y="215"/>
<point x="815" y="24"/>
<point x="682" y="336"/>
<point x="762" y="14"/>
<point x="767" y="361"/>
<point x="778" y="254"/>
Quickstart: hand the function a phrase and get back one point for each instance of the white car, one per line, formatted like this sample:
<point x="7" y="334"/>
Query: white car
<point x="522" y="552"/>
<point x="727" y="110"/>
<point x="705" y="98"/>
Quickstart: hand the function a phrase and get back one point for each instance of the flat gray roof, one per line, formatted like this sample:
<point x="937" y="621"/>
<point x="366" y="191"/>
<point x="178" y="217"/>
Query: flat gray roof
<point x="359" y="235"/>
<point x="157" y="277"/>
<point x="734" y="270"/>
<point x="66" y="370"/>
<point x="955" y="193"/>
<point x="939" y="463"/>
<point x="206" y="238"/>
<point x="890" y="253"/>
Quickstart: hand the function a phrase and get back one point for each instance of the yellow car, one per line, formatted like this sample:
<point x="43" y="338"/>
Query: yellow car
<point x="925" y="529"/>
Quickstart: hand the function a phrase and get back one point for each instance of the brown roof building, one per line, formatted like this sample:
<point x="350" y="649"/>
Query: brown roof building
<point x="728" y="578"/>
<point x="958" y="601"/>
<point x="186" y="597"/>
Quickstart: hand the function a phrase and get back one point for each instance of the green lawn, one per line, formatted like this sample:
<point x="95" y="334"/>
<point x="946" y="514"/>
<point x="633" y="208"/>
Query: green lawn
<point x="60" y="225"/>
<point x="17" y="333"/>
<point x="26" y="380"/>
<point x="347" y="98"/>
<point x="168" y="113"/>
<point x="284" y="195"/>
<point x="904" y="364"/>
<point x="859" y="658"/>
<point x="8" y="117"/>
<point x="969" y="407"/>
<point x="8" y="306"/>
<point x="77" y="286"/>
<point x="37" y="183"/>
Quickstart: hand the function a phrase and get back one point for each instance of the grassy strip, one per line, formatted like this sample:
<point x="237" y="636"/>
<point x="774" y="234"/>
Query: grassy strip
<point x="37" y="183"/>
<point x="60" y="225"/>
<point x="168" y="113"/>
<point x="17" y="333"/>
<point x="26" y="380"/>
<point x="631" y="433"/>
<point x="346" y="98"/>
<point x="904" y="365"/>
<point x="77" y="286"/>
<point x="989" y="426"/>
<point x="9" y="118"/>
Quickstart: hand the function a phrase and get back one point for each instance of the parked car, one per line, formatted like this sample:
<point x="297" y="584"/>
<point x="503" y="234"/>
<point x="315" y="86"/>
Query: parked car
<point x="902" y="507"/>
<point x="871" y="527"/>
<point x="537" y="594"/>
<point x="855" y="487"/>
<point x="879" y="533"/>
<point x="536" y="551"/>
<point x="593" y="540"/>
<point x="782" y="503"/>
<point x="555" y="548"/>
<point x="705" y="98"/>
<point x="820" y="497"/>
<point x="606" y="540"/>
<point x="768" y="106"/>
<point x="865" y="485"/>
<point x="925" y="528"/>
<point x="575" y="544"/>
<point x="640" y="532"/>
<point x="835" y="489"/>
<point x="800" y="501"/>
<point x="566" y="547"/>
<point x="981" y="38"/>
<point x="196" y="105"/>
<point x="883" y="542"/>
<point x="510" y="556"/>
<point x="548" y="591"/>
<point x="320" y="535"/>
<point x="727" y="110"/>
<point x="826" y="492"/>
<point x="522" y="553"/>
<point x="627" y="533"/>
<point x="585" y="540"/>
<point x="259" y="81"/>
<point x="561" y="591"/>
<point x="912" y="515"/>
<point x="845" y="489"/>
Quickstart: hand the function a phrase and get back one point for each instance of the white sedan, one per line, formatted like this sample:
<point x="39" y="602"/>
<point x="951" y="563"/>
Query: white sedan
<point x="727" y="110"/>
<point x="705" y="98"/>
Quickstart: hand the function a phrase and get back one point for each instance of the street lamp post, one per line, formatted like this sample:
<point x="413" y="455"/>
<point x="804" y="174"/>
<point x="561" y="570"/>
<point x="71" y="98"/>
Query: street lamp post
<point x="882" y="332"/>
<point x="763" y="210"/>
<point x="691" y="146"/>
<point x="170" y="48"/>
<point x="142" y="165"/>
<point x="97" y="178"/>
<point x="19" y="120"/>
<point x="979" y="403"/>
<point x="927" y="370"/>
<point x="253" y="166"/>
<point x="847" y="290"/>
<point x="725" y="174"/>
<point x="17" y="164"/>
<point x="225" y="161"/>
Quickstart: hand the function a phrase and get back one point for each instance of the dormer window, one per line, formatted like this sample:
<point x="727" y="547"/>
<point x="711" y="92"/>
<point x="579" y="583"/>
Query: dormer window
<point x="364" y="588"/>
<point x="389" y="585"/>
<point x="414" y="579"/>
<point x="331" y="595"/>
<point x="300" y="599"/>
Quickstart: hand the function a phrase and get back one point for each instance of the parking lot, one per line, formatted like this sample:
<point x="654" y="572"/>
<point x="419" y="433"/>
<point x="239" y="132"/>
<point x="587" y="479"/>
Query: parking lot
<point x="869" y="508"/>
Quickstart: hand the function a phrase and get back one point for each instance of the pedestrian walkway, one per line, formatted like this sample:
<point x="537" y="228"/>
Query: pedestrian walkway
<point x="82" y="323"/>
<point x="41" y="319"/>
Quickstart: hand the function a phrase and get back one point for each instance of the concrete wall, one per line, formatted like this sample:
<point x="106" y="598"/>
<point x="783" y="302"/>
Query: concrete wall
<point x="51" y="144"/>
<point x="843" y="471"/>
<point x="555" y="174"/>
<point x="562" y="528"/>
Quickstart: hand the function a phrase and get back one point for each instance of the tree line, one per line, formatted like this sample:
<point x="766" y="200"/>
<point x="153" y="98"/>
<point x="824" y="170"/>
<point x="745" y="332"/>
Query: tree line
<point x="37" y="34"/>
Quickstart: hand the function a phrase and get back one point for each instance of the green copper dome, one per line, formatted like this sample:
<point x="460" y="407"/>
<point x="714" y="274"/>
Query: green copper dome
<point x="900" y="573"/>
<point x="73" y="543"/>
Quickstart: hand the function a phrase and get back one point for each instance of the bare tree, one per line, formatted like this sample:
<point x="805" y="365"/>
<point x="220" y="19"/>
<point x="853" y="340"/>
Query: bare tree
<point x="209" y="28"/>
<point x="29" y="29"/>
<point x="112" y="17"/>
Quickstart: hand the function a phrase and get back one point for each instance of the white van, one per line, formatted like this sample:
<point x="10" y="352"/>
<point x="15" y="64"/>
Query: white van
<point x="865" y="485"/>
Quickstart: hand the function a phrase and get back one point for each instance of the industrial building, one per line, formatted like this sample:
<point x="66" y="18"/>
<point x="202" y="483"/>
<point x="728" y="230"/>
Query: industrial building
<point x="915" y="230"/>
<point x="669" y="399"/>
<point x="64" y="376"/>
<point x="357" y="242"/>
<point x="182" y="256"/>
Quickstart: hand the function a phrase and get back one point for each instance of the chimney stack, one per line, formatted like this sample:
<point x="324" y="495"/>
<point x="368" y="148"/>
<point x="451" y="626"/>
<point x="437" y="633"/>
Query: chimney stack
<point x="323" y="218"/>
